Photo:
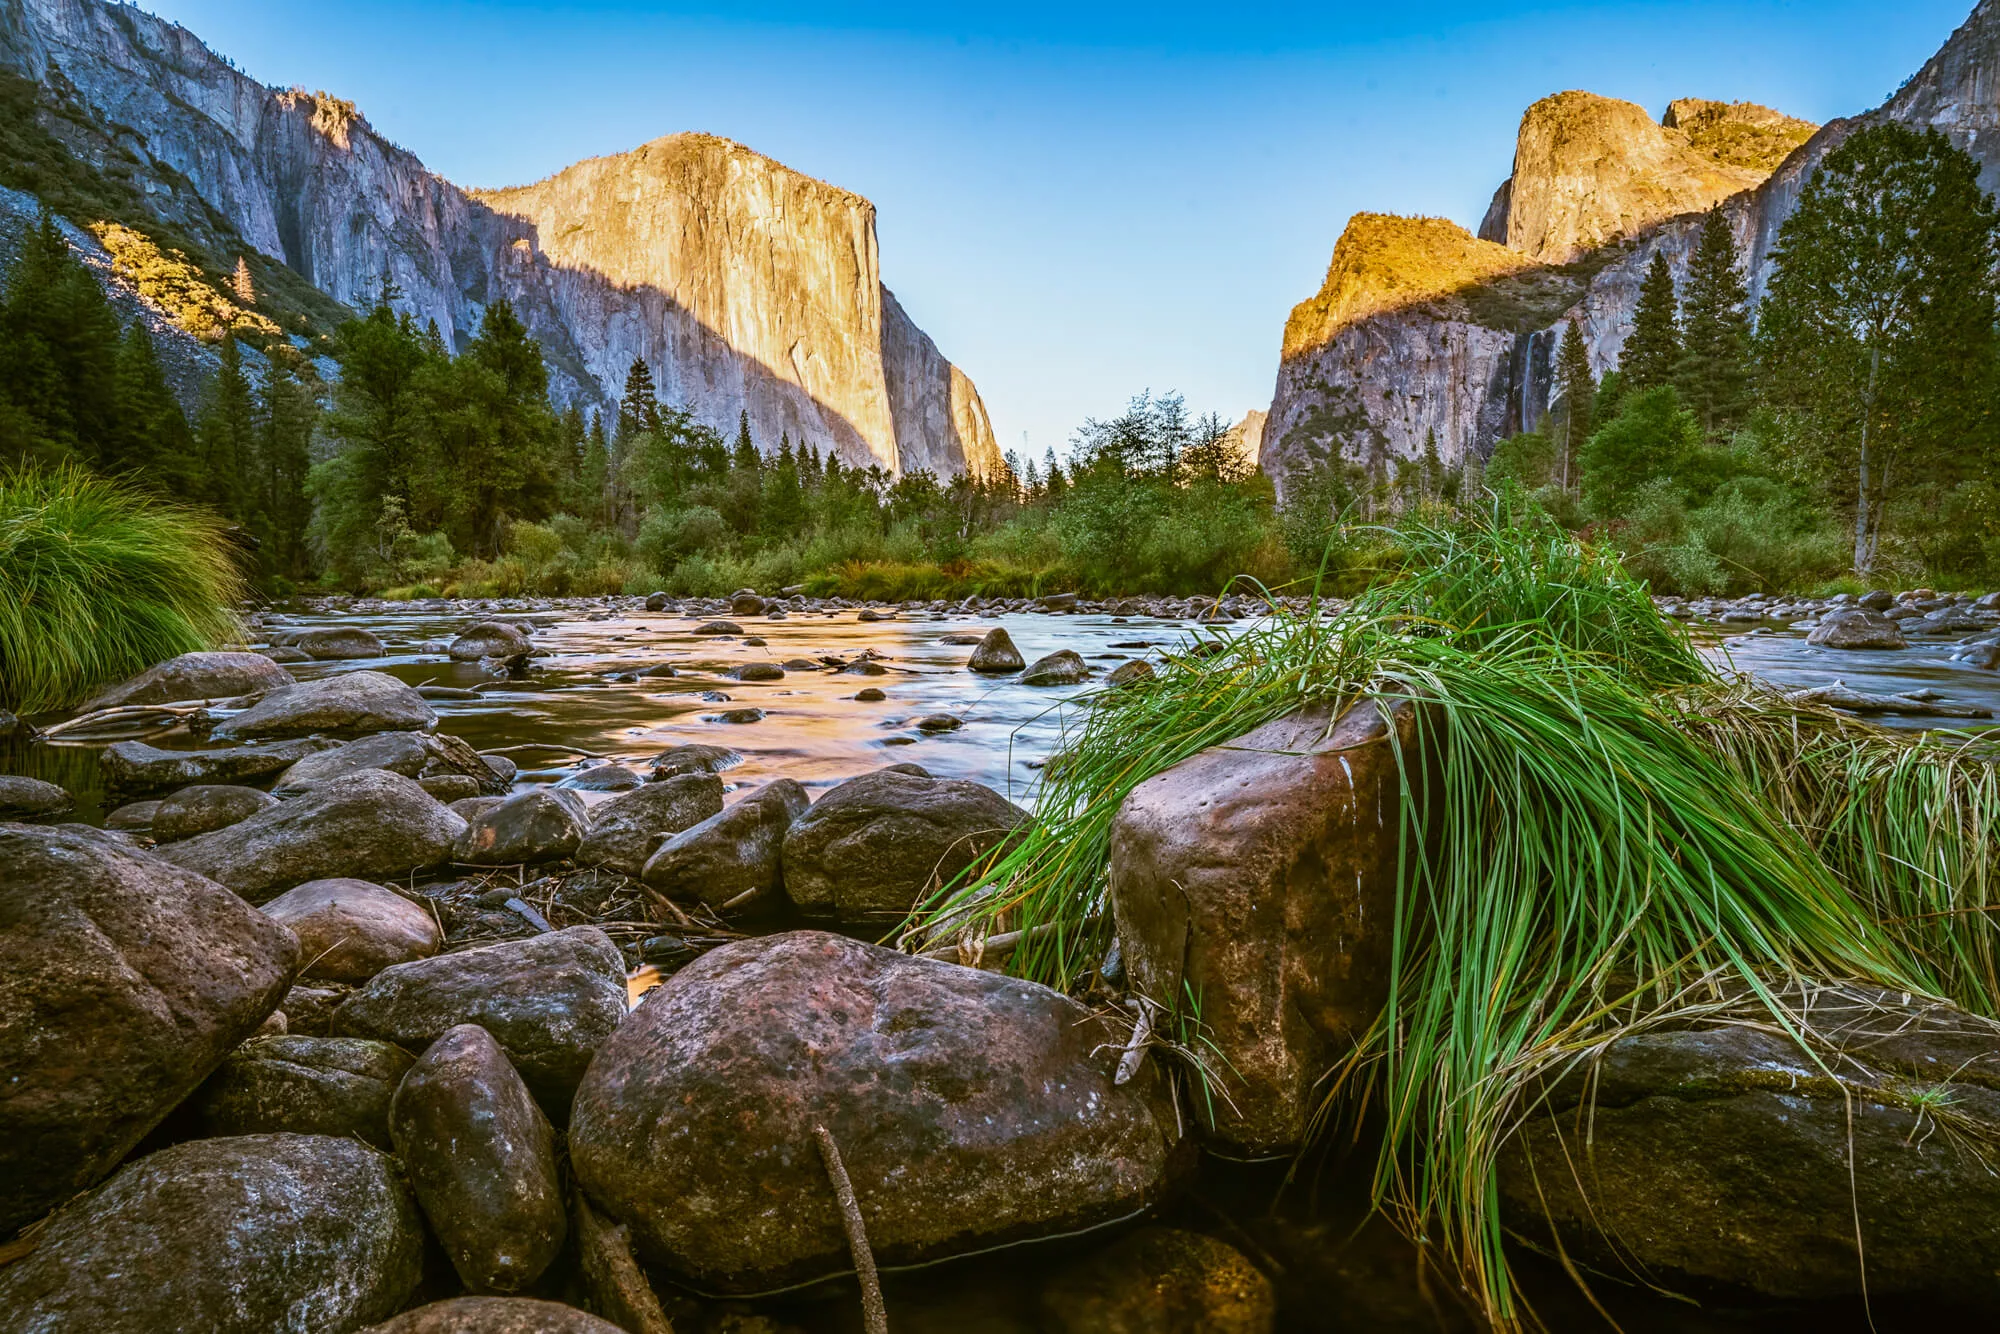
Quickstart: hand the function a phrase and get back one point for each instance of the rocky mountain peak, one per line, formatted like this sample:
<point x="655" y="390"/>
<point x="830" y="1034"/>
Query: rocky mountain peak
<point x="1591" y="170"/>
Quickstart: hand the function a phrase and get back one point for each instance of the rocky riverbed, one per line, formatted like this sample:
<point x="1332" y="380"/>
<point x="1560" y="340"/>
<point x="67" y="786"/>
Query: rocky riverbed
<point x="319" y="961"/>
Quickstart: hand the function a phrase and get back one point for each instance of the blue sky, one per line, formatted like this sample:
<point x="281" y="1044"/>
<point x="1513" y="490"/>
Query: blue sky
<point x="1076" y="201"/>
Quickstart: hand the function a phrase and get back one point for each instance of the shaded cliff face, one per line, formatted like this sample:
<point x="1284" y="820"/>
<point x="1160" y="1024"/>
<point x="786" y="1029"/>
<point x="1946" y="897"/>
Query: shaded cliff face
<point x="747" y="287"/>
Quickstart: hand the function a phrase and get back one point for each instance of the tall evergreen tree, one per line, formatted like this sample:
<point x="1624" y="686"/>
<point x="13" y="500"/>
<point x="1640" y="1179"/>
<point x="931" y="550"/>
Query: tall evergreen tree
<point x="1578" y="388"/>
<point x="58" y="352"/>
<point x="152" y="441"/>
<point x="744" y="455"/>
<point x="639" y="409"/>
<point x="240" y="283"/>
<point x="287" y="409"/>
<point x="1653" y="349"/>
<point x="1877" y="334"/>
<point x="1714" y="371"/>
<point x="227" y="435"/>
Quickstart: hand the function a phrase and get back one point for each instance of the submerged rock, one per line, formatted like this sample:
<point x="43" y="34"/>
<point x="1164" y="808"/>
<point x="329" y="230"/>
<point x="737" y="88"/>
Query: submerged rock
<point x="255" y="1234"/>
<point x="550" y="1000"/>
<point x="693" y="759"/>
<point x="350" y="930"/>
<point x="206" y="807"/>
<point x="734" y="852"/>
<point x="482" y="1160"/>
<point x="350" y="704"/>
<point x="874" y="845"/>
<point x="372" y="824"/>
<point x="126" y="981"/>
<point x="1160" y="1280"/>
<point x="1728" y="1154"/>
<point x="625" y="830"/>
<point x="602" y="778"/>
<point x="970" y="1109"/>
<point x="338" y="641"/>
<point x="196" y="676"/>
<point x="1261" y="876"/>
<point x="134" y="766"/>
<point x="296" y="1084"/>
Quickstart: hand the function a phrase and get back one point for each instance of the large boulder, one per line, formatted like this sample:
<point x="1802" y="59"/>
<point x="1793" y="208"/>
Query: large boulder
<point x="297" y="1084"/>
<point x="418" y="755"/>
<point x="625" y="830"/>
<point x="206" y="807"/>
<point x="368" y="824"/>
<point x="970" y="1110"/>
<point x="693" y="759"/>
<point x="1851" y="627"/>
<point x="875" y="845"/>
<point x="350" y="704"/>
<point x="1261" y="876"/>
<point x="134" y="766"/>
<point x="550" y="1000"/>
<point x="496" y="1315"/>
<point x="23" y="798"/>
<point x="1160" y="1280"/>
<point x="482" y="1160"/>
<point x="350" y="930"/>
<point x="732" y="853"/>
<point x="489" y="639"/>
<point x="197" y="676"/>
<point x="257" y="1234"/>
<point x="1728" y="1154"/>
<point x="337" y="642"/>
<point x="539" y="825"/>
<point x="123" y="982"/>
<point x="996" y="654"/>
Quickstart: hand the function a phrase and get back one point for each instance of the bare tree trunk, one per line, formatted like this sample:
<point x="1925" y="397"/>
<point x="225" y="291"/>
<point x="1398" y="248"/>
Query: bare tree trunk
<point x="1864" y="522"/>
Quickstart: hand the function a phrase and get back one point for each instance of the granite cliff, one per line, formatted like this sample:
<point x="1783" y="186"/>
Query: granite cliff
<point x="746" y="286"/>
<point x="1421" y="327"/>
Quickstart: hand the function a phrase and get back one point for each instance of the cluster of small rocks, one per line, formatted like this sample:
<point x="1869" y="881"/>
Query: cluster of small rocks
<point x="1874" y="620"/>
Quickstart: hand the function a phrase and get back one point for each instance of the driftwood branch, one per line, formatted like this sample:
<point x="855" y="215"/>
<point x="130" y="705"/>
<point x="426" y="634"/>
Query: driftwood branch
<point x="1135" y="1050"/>
<point x="874" y="1315"/>
<point x="617" y="1285"/>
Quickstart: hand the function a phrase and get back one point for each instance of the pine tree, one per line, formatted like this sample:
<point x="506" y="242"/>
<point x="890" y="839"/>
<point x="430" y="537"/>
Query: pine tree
<point x="1431" y="469"/>
<point x="1714" y="371"/>
<point x="1653" y="349"/>
<point x="286" y="411"/>
<point x="227" y="436"/>
<point x="1579" y="390"/>
<point x="152" y="441"/>
<point x="59" y="345"/>
<point x="744" y="455"/>
<point x="639" y="409"/>
<point x="239" y="283"/>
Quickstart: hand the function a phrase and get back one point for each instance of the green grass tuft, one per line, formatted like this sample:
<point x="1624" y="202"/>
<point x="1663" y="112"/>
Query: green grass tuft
<point x="98" y="581"/>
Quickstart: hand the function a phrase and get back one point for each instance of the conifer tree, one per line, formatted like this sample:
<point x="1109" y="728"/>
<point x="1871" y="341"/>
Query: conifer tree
<point x="286" y="411"/>
<point x="227" y="435"/>
<point x="1653" y="349"/>
<point x="241" y="285"/>
<point x="1714" y="371"/>
<point x="1431" y="469"/>
<point x="744" y="455"/>
<point x="151" y="441"/>
<point x="639" y="409"/>
<point x="58" y="352"/>
<point x="1578" y="389"/>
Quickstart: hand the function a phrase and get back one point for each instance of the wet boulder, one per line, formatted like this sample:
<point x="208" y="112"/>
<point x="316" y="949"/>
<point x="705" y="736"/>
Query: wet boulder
<point x="196" y="676"/>
<point x="625" y="830"/>
<point x="760" y="671"/>
<point x="206" y="807"/>
<point x="874" y="845"/>
<point x="134" y="766"/>
<point x="996" y="654"/>
<point x="970" y="1109"/>
<point x="417" y="755"/>
<point x="371" y="824"/>
<point x="134" y="815"/>
<point x="350" y="930"/>
<point x="1061" y="668"/>
<point x="539" y="825"/>
<point x="693" y="759"/>
<point x="255" y="1234"/>
<point x="1261" y="876"/>
<point x="1130" y="673"/>
<point x="1729" y="1154"/>
<point x="495" y="1315"/>
<point x="482" y="1160"/>
<point x="295" y="1084"/>
<point x="126" y="980"/>
<point x="1855" y="628"/>
<point x="549" y="1000"/>
<point x="489" y="639"/>
<point x="1160" y="1280"/>
<point x="350" y="704"/>
<point x="612" y="777"/>
<point x="24" y="798"/>
<point x="733" y="852"/>
<point x="718" y="628"/>
<point x="335" y="642"/>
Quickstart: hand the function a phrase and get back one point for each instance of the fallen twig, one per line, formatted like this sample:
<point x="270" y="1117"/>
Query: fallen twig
<point x="874" y="1315"/>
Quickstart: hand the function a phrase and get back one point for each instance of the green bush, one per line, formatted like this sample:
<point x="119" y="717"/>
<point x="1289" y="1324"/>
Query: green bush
<point x="98" y="581"/>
